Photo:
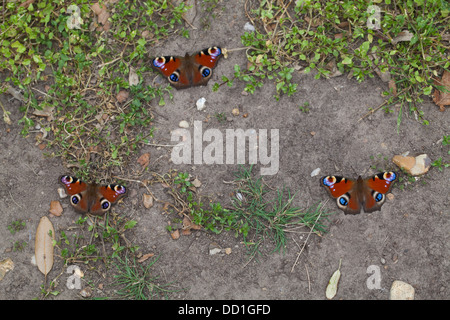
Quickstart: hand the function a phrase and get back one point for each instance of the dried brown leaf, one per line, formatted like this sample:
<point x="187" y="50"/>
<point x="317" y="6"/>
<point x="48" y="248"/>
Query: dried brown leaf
<point x="133" y="78"/>
<point x="144" y="160"/>
<point x="440" y="98"/>
<point x="55" y="208"/>
<point x="43" y="246"/>
<point x="175" y="234"/>
<point x="147" y="199"/>
<point x="145" y="257"/>
<point x="393" y="86"/>
<point x="102" y="16"/>
<point x="122" y="96"/>
<point x="405" y="35"/>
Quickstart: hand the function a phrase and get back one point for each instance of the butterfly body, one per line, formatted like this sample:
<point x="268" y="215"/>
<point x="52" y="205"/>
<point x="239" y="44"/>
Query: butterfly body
<point x="353" y="195"/>
<point x="91" y="197"/>
<point x="190" y="70"/>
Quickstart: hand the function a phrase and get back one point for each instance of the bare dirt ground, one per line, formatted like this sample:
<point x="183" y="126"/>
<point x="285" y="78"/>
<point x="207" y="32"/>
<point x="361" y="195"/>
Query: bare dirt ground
<point x="408" y="240"/>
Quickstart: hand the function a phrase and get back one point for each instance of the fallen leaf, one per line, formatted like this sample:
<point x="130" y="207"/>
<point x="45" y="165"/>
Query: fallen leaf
<point x="45" y="112"/>
<point x="102" y="16"/>
<point x="26" y="3"/>
<point x="332" y="284"/>
<point x="122" y="96"/>
<point x="188" y="224"/>
<point x="145" y="257"/>
<point x="56" y="208"/>
<point x="185" y="232"/>
<point x="227" y="251"/>
<point x="393" y="86"/>
<point x="405" y="35"/>
<point x="16" y="94"/>
<point x="196" y="183"/>
<point x="442" y="99"/>
<point x="43" y="246"/>
<point x="144" y="160"/>
<point x="147" y="199"/>
<point x="175" y="234"/>
<point x="5" y="266"/>
<point x="133" y="78"/>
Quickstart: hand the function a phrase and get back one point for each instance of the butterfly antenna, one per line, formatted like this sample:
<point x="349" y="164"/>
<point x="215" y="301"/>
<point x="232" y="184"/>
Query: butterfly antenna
<point x="354" y="171"/>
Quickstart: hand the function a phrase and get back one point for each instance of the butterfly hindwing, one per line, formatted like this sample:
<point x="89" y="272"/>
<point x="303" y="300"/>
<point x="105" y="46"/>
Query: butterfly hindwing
<point x="343" y="190"/>
<point x="77" y="190"/>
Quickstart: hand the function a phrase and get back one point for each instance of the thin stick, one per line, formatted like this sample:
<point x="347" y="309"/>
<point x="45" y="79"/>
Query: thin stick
<point x="309" y="282"/>
<point x="306" y="241"/>
<point x="15" y="200"/>
<point x="381" y="105"/>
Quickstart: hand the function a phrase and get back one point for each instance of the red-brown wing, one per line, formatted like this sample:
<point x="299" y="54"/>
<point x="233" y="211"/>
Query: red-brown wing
<point x="382" y="182"/>
<point x="375" y="189"/>
<point x="344" y="191"/>
<point x="107" y="196"/>
<point x="76" y="189"/>
<point x="337" y="186"/>
<point x="209" y="57"/>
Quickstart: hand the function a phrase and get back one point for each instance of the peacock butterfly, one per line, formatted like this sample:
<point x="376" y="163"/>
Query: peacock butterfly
<point x="188" y="71"/>
<point x="91" y="198"/>
<point x="352" y="195"/>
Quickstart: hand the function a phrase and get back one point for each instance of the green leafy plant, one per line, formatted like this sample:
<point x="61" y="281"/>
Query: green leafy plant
<point x="84" y="75"/>
<point x="270" y="219"/>
<point x="137" y="282"/>
<point x="16" y="226"/>
<point x="333" y="37"/>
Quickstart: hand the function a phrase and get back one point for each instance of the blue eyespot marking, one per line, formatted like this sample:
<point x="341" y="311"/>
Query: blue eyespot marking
<point x="105" y="205"/>
<point x="378" y="197"/>
<point x="120" y="189"/>
<point x="391" y="176"/>
<point x="159" y="62"/>
<point x="343" y="201"/>
<point x="215" y="52"/>
<point x="174" y="77"/>
<point x="329" y="181"/>
<point x="206" y="72"/>
<point x="75" y="200"/>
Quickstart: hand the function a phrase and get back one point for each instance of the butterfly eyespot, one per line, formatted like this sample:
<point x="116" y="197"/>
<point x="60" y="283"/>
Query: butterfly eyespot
<point x="205" y="71"/>
<point x="174" y="77"/>
<point x="343" y="201"/>
<point x="105" y="204"/>
<point x="119" y="189"/>
<point x="379" y="197"/>
<point x="329" y="180"/>
<point x="215" y="51"/>
<point x="389" y="176"/>
<point x="159" y="62"/>
<point x="66" y="179"/>
<point x="75" y="199"/>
